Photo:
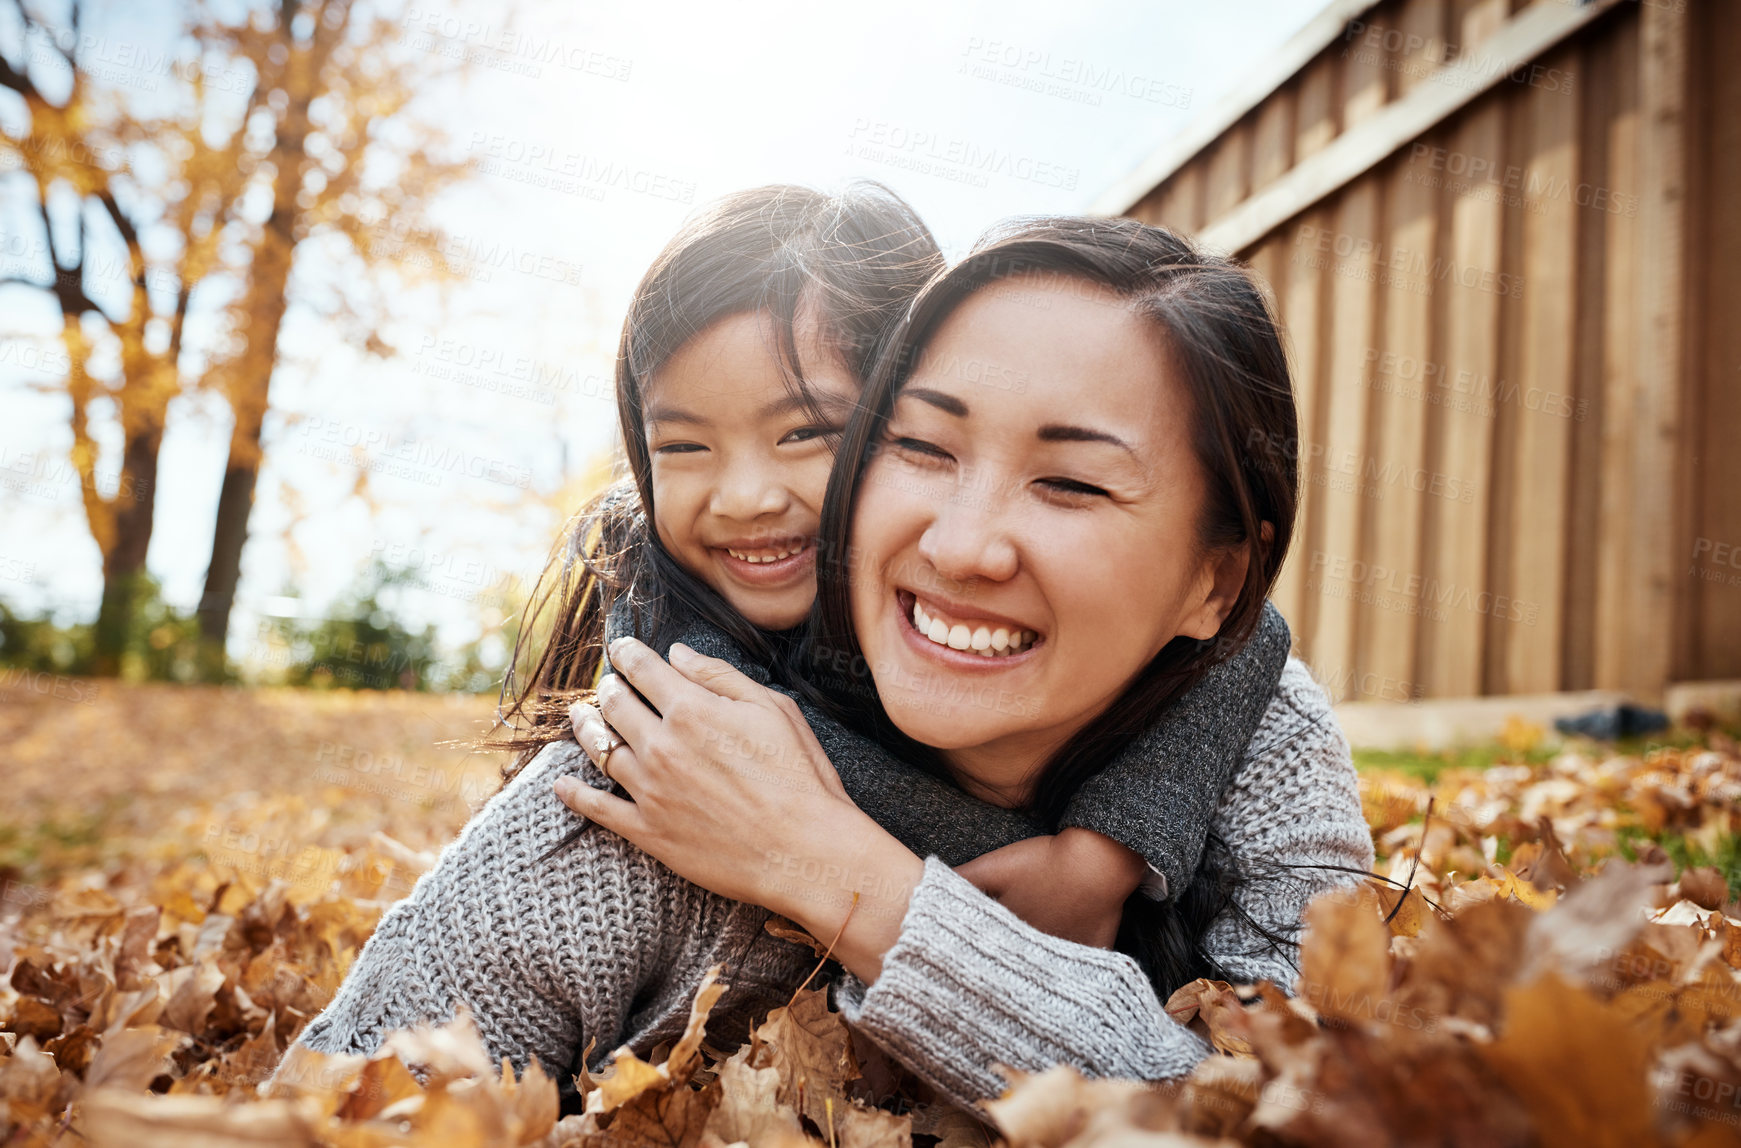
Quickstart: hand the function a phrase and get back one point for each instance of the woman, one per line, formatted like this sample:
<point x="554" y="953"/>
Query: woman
<point x="1149" y="366"/>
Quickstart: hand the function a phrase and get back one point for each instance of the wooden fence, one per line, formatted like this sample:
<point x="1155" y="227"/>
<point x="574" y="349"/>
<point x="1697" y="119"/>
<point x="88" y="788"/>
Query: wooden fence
<point x="1505" y="239"/>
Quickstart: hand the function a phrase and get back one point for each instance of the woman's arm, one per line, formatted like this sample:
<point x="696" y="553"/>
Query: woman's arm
<point x="588" y="945"/>
<point x="968" y="985"/>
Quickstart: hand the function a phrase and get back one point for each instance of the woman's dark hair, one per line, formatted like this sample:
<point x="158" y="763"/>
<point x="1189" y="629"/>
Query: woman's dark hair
<point x="1223" y="338"/>
<point x="851" y="263"/>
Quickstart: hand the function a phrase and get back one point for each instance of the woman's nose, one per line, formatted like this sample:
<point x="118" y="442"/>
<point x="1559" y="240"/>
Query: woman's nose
<point x="748" y="491"/>
<point x="967" y="539"/>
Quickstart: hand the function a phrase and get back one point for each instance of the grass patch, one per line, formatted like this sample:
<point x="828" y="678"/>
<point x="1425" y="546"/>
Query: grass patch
<point x="1689" y="854"/>
<point x="1427" y="765"/>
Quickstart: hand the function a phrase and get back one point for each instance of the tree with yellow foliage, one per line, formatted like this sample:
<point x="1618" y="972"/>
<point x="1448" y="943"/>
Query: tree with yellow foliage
<point x="207" y="160"/>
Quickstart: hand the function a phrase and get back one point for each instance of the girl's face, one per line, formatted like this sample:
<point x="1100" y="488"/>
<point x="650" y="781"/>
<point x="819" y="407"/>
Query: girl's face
<point x="740" y="466"/>
<point x="1022" y="551"/>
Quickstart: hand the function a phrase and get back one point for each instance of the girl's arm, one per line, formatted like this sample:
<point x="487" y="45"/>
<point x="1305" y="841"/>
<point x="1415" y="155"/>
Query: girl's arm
<point x="1142" y="821"/>
<point x="1158" y="797"/>
<point x="968" y="985"/>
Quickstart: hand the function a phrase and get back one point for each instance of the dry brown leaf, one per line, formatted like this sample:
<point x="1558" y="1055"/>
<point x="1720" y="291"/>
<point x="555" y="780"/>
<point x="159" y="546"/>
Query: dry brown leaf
<point x="810" y="1047"/>
<point x="749" y="1107"/>
<point x="663" y="1118"/>
<point x="452" y="1051"/>
<point x="1576" y="1065"/>
<point x="1345" y="955"/>
<point x="1214" y="1011"/>
<point x="780" y="927"/>
<point x="132" y="1057"/>
<point x="114" y="1119"/>
<point x="861" y="1127"/>
<point x="191" y="993"/>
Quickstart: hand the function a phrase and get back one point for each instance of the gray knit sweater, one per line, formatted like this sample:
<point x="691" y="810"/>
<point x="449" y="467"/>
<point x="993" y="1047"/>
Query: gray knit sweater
<point x="605" y="945"/>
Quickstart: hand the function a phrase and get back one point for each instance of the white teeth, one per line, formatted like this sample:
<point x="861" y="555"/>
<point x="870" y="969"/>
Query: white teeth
<point x="759" y="558"/>
<point x="985" y="641"/>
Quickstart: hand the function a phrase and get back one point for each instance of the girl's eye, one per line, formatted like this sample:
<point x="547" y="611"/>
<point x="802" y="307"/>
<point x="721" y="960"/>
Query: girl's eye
<point x="679" y="448"/>
<point x="809" y="434"/>
<point x="1072" y="486"/>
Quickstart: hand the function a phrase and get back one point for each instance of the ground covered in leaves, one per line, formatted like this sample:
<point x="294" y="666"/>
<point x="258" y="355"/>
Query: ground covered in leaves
<point x="1550" y="953"/>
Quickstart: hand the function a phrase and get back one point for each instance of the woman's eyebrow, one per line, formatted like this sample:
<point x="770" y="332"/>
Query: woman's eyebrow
<point x="948" y="404"/>
<point x="1064" y="432"/>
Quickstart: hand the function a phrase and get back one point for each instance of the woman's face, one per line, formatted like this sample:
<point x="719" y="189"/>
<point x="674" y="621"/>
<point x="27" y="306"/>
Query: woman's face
<point x="1026" y="538"/>
<point x="740" y="466"/>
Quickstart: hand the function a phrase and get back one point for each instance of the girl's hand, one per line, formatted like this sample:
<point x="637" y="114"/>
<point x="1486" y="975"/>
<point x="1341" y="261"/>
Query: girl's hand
<point x="732" y="791"/>
<point x="1073" y="885"/>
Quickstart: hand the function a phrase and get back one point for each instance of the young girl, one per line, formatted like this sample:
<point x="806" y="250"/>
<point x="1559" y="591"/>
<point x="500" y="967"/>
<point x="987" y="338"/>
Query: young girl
<point x="742" y="355"/>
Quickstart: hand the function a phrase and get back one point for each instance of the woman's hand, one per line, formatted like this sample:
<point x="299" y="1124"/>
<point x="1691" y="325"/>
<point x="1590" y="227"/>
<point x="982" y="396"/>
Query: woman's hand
<point x="732" y="791"/>
<point x="1072" y="885"/>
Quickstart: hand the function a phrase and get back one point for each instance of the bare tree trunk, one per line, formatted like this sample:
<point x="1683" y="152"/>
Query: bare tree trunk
<point x="132" y="513"/>
<point x="250" y="391"/>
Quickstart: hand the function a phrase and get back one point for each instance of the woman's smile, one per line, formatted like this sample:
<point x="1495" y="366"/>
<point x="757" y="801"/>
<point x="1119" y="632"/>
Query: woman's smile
<point x="964" y="635"/>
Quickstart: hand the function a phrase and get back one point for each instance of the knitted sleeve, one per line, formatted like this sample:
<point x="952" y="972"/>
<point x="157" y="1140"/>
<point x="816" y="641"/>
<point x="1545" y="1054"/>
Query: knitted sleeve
<point x="968" y="985"/>
<point x="546" y="955"/>
<point x="1158" y="796"/>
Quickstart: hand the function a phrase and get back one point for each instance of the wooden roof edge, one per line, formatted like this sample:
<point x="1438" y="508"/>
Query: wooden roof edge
<point x="1301" y="49"/>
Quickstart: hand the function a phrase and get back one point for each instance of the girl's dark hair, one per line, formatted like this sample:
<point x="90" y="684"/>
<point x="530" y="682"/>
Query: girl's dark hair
<point x="851" y="263"/>
<point x="1223" y="338"/>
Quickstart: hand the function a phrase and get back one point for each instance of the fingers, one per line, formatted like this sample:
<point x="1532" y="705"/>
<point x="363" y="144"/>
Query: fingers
<point x="578" y="713"/>
<point x="614" y="757"/>
<point x="634" y="722"/>
<point x="661" y="685"/>
<point x="717" y="676"/>
<point x="619" y="816"/>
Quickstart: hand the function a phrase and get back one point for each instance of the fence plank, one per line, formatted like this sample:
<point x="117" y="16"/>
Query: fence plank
<point x="1659" y="506"/>
<point x="1300" y="288"/>
<point x="1619" y="359"/>
<point x="1532" y="627"/>
<point x="1401" y="374"/>
<point x="1716" y="622"/>
<point x="1343" y="488"/>
<point x="1471" y="278"/>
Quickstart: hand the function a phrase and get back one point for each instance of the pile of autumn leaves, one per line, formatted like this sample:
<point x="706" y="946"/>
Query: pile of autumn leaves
<point x="1505" y="979"/>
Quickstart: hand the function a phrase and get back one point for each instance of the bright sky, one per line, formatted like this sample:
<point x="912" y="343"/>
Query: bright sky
<point x="596" y="128"/>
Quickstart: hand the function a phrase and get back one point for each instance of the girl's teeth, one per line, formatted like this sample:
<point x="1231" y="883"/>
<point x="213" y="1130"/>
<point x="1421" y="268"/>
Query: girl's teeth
<point x="762" y="558"/>
<point x="984" y="641"/>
